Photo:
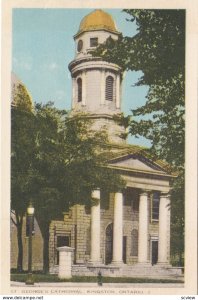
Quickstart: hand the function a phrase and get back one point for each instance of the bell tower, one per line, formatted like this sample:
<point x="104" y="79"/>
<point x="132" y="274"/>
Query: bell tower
<point x="96" y="84"/>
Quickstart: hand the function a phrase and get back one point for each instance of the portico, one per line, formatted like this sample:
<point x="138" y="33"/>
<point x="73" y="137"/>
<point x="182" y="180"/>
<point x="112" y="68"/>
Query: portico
<point x="144" y="216"/>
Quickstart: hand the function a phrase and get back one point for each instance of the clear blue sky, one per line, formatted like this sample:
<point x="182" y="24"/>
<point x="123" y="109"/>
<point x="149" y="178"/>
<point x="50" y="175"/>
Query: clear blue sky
<point x="43" y="46"/>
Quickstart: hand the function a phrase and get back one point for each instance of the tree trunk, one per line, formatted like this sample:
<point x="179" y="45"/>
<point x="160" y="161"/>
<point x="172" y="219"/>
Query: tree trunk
<point x="20" y="243"/>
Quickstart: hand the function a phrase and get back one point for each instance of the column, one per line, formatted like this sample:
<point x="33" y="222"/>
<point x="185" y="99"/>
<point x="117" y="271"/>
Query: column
<point x="65" y="262"/>
<point x="118" y="229"/>
<point x="102" y="88"/>
<point x="84" y="88"/>
<point x="95" y="229"/>
<point x="164" y="229"/>
<point x="143" y="228"/>
<point x="118" y="91"/>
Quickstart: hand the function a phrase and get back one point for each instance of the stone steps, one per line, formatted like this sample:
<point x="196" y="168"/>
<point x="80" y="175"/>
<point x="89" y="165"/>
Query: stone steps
<point x="128" y="271"/>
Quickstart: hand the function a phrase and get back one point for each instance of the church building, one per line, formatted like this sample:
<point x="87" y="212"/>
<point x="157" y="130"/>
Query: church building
<point x="130" y="235"/>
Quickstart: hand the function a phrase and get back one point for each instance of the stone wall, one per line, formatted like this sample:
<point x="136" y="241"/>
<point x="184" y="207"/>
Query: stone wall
<point x="77" y="224"/>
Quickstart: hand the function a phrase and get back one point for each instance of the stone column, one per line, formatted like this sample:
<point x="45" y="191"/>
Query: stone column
<point x="95" y="229"/>
<point x="84" y="88"/>
<point x="102" y="88"/>
<point x="143" y="228"/>
<point x="65" y="262"/>
<point x="164" y="229"/>
<point x="118" y="91"/>
<point x="118" y="229"/>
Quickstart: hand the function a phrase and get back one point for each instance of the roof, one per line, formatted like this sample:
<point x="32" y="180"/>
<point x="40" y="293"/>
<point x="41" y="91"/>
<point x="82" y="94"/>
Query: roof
<point x="97" y="20"/>
<point x="121" y="152"/>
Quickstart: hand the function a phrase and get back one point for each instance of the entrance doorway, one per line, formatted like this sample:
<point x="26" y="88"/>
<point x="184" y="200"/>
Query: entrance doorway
<point x="109" y="244"/>
<point x="154" y="252"/>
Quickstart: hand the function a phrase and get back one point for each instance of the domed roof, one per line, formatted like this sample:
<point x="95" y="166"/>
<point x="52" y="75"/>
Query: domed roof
<point x="97" y="20"/>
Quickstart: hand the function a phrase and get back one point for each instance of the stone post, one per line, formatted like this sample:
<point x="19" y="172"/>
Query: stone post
<point x="65" y="262"/>
<point x="95" y="229"/>
<point x="143" y="228"/>
<point x="164" y="229"/>
<point x="118" y="229"/>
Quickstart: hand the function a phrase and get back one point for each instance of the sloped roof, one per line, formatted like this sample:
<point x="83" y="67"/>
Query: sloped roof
<point x="120" y="152"/>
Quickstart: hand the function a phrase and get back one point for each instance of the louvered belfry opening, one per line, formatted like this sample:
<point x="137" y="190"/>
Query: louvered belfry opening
<point x="109" y="88"/>
<point x="79" y="83"/>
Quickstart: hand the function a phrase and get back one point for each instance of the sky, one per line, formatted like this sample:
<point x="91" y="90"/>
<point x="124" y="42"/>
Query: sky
<point x="43" y="46"/>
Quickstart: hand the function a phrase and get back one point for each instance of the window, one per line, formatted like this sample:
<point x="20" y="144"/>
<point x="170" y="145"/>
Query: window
<point x="80" y="45"/>
<point x="93" y="42"/>
<point x="79" y="84"/>
<point x="134" y="242"/>
<point x="109" y="88"/>
<point x="155" y="206"/>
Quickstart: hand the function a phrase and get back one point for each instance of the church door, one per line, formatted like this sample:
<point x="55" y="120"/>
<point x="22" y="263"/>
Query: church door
<point x="109" y="244"/>
<point x="154" y="252"/>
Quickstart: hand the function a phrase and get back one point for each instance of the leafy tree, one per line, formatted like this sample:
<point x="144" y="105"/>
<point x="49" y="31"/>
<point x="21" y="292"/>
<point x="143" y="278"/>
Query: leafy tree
<point x="69" y="164"/>
<point x="22" y="153"/>
<point x="158" y="50"/>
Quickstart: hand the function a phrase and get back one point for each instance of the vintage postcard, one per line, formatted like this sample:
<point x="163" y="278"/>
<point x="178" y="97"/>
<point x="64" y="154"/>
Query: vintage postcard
<point x="99" y="148"/>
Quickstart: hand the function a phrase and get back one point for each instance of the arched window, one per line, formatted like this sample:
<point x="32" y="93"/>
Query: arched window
<point x="79" y="84"/>
<point x="109" y="88"/>
<point x="134" y="242"/>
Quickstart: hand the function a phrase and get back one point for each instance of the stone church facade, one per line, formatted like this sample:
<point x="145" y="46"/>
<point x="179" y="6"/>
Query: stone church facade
<point x="127" y="233"/>
<point x="132" y="229"/>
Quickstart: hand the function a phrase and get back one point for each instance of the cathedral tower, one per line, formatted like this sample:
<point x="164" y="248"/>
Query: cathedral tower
<point x="96" y="84"/>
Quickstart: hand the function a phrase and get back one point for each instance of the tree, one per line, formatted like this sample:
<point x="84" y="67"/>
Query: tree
<point x="158" y="50"/>
<point x="22" y="153"/>
<point x="69" y="164"/>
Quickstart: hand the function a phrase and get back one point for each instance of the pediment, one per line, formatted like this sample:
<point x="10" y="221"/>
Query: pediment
<point x="137" y="163"/>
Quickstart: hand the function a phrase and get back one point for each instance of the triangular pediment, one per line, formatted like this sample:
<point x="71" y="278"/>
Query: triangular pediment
<point x="136" y="163"/>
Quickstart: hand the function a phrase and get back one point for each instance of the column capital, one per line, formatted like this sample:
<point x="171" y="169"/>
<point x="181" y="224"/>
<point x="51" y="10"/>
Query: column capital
<point x="145" y="192"/>
<point x="95" y="193"/>
<point x="164" y="195"/>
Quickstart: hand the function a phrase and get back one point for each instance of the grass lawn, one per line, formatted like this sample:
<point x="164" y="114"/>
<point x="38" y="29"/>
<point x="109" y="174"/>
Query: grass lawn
<point x="54" y="278"/>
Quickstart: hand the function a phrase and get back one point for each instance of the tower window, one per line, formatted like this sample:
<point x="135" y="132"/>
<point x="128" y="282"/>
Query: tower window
<point x="109" y="88"/>
<point x="79" y="84"/>
<point x="93" y="42"/>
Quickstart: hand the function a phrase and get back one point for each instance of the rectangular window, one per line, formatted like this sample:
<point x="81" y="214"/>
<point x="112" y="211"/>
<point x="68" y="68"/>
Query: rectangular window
<point x="155" y="206"/>
<point x="93" y="42"/>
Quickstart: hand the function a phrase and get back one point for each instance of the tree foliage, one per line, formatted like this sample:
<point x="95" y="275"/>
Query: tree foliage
<point x="69" y="162"/>
<point x="22" y="156"/>
<point x="158" y="50"/>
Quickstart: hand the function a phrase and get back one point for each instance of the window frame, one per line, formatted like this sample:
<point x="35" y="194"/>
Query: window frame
<point x="109" y="88"/>
<point x="155" y="198"/>
<point x="79" y="89"/>
<point x="91" y="40"/>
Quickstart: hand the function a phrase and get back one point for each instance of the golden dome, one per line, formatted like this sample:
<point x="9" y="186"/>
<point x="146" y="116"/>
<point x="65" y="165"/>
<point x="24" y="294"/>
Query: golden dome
<point x="97" y="20"/>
